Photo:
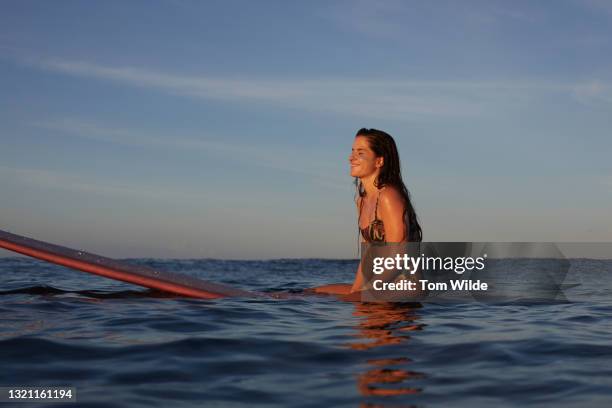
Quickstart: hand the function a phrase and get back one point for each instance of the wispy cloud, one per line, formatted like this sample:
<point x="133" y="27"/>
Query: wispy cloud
<point x="274" y="157"/>
<point x="64" y="181"/>
<point x="404" y="100"/>
<point x="364" y="98"/>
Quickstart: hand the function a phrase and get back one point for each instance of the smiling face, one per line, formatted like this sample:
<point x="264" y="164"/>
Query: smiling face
<point x="363" y="160"/>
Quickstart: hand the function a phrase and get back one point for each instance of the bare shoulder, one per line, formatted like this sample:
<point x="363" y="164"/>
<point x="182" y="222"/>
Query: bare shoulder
<point x="391" y="209"/>
<point x="390" y="197"/>
<point x="391" y="203"/>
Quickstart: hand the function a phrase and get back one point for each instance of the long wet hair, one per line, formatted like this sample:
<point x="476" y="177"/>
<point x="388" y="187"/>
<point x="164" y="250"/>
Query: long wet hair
<point x="390" y="174"/>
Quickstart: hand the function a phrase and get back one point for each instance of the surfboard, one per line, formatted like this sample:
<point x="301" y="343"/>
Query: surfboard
<point x="177" y="283"/>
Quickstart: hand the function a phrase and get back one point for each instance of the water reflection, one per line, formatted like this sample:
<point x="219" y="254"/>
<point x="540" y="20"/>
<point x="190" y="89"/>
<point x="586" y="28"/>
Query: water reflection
<point x="385" y="324"/>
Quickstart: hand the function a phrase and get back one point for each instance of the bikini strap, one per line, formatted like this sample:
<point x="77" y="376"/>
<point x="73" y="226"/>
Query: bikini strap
<point x="376" y="207"/>
<point x="360" y="207"/>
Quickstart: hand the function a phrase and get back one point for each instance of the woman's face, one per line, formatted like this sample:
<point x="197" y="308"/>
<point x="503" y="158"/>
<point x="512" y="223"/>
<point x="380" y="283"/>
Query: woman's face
<point x="363" y="159"/>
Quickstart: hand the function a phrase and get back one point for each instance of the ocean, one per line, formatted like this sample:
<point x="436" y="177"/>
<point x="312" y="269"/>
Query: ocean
<point x="123" y="346"/>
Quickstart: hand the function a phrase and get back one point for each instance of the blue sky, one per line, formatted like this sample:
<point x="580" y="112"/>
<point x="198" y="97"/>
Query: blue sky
<point x="222" y="128"/>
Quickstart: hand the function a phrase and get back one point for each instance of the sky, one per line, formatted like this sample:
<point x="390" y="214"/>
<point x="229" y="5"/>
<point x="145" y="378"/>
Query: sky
<point x="195" y="129"/>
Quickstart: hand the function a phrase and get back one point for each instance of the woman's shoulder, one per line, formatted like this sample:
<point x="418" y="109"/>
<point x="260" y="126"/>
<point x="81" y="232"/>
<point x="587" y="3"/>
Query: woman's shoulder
<point x="391" y="201"/>
<point x="391" y="195"/>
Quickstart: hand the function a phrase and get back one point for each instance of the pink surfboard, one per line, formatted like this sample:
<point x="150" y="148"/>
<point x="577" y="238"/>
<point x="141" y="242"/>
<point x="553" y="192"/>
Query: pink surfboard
<point x="177" y="283"/>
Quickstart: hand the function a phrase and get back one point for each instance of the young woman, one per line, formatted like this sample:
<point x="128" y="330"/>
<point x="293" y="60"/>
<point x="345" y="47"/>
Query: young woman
<point x="385" y="213"/>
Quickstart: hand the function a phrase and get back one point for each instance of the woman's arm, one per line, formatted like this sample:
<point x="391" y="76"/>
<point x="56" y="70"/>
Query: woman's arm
<point x="391" y="210"/>
<point x="358" y="282"/>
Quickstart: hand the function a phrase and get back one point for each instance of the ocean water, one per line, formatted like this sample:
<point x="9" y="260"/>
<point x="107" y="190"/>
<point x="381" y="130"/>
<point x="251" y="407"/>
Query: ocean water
<point x="121" y="345"/>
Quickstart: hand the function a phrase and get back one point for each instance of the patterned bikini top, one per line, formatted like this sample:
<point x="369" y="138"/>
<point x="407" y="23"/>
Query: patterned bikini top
<point x="375" y="232"/>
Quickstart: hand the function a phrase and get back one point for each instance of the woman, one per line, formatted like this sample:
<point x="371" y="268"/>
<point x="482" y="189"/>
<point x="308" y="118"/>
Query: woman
<point x="385" y="213"/>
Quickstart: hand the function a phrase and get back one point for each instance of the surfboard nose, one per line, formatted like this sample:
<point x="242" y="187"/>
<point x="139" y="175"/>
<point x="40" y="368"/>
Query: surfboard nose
<point x="173" y="282"/>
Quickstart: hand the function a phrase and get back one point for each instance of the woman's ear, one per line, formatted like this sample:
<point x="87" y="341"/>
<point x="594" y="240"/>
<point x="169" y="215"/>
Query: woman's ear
<point x="380" y="161"/>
